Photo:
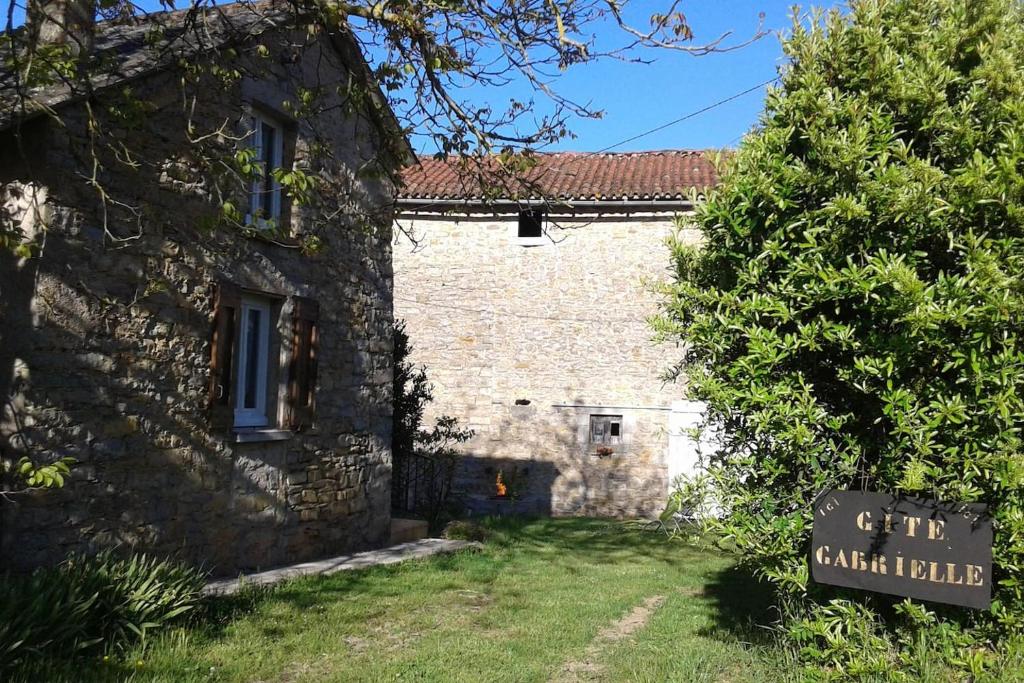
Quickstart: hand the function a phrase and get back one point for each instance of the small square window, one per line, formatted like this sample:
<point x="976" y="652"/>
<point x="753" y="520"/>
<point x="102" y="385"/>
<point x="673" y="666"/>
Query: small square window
<point x="606" y="430"/>
<point x="531" y="223"/>
<point x="265" y="194"/>
<point x="253" y="363"/>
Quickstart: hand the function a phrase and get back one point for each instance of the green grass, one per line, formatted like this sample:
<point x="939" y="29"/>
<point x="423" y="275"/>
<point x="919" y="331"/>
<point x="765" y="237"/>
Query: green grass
<point x="536" y="598"/>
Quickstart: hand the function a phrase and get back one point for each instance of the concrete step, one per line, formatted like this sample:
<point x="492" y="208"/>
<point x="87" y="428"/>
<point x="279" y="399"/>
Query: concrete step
<point x="371" y="558"/>
<point x="404" y="530"/>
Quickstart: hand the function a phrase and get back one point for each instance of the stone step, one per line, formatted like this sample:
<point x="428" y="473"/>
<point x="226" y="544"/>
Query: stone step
<point x="370" y="558"/>
<point x="404" y="530"/>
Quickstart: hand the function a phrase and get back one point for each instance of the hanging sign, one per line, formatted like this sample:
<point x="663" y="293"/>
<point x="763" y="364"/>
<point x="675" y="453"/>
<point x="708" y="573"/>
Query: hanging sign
<point x="911" y="547"/>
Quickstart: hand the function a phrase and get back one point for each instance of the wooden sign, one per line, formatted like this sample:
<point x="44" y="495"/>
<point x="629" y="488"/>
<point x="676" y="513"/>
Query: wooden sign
<point x="911" y="547"/>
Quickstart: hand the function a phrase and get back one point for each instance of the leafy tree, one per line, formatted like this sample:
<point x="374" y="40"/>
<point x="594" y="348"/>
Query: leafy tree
<point x="853" y="318"/>
<point x="411" y="392"/>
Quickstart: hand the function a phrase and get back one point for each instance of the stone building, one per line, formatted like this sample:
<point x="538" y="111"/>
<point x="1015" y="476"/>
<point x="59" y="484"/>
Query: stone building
<point x="214" y="353"/>
<point x="529" y="311"/>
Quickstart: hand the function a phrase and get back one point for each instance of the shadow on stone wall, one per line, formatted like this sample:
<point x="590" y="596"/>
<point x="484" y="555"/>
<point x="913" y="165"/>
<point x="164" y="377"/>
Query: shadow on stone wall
<point x="532" y="481"/>
<point x="104" y="344"/>
<point x="16" y="285"/>
<point x="104" y="380"/>
<point x="562" y="476"/>
<point x="529" y="485"/>
<point x="628" y="483"/>
<point x="116" y="378"/>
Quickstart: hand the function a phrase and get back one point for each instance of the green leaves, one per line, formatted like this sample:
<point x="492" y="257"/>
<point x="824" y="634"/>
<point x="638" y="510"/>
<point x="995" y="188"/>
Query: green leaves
<point x="101" y="603"/>
<point x="47" y="475"/>
<point x="300" y="186"/>
<point x="247" y="164"/>
<point x="854" y="316"/>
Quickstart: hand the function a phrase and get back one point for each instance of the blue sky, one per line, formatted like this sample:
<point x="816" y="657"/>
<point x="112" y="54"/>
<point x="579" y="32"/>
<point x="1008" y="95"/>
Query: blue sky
<point x="639" y="97"/>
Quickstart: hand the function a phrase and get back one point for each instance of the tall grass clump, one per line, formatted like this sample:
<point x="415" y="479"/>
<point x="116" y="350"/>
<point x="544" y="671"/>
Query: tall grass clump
<point x="101" y="604"/>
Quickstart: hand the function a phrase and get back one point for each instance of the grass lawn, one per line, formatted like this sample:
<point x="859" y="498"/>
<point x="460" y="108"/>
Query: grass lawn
<point x="566" y="599"/>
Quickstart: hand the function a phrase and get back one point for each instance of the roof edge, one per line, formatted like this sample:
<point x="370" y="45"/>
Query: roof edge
<point x="442" y="206"/>
<point x="347" y="47"/>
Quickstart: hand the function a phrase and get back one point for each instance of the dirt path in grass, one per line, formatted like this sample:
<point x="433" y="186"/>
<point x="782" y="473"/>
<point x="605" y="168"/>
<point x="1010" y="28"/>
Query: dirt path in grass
<point x="588" y="667"/>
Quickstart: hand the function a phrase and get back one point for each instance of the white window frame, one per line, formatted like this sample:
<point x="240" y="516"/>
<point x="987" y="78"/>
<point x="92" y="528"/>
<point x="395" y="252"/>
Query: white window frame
<point x="273" y="158"/>
<point x="257" y="416"/>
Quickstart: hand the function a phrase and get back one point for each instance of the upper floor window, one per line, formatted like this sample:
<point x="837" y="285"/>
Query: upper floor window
<point x="265" y="194"/>
<point x="531" y="224"/>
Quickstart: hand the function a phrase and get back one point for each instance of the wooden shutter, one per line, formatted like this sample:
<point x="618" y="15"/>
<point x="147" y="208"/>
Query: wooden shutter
<point x="227" y="304"/>
<point x="302" y="368"/>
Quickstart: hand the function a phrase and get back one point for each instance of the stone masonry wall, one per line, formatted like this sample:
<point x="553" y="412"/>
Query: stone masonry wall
<point x="525" y="343"/>
<point x="105" y="346"/>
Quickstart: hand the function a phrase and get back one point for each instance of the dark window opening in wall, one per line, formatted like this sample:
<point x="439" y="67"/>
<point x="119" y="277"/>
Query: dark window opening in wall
<point x="606" y="429"/>
<point x="531" y="223"/>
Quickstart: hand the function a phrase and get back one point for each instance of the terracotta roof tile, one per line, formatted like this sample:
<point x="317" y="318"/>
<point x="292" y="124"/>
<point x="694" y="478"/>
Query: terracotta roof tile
<point x="662" y="175"/>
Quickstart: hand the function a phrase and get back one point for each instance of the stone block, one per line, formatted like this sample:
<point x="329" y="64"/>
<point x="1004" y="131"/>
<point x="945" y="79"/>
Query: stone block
<point x="120" y="427"/>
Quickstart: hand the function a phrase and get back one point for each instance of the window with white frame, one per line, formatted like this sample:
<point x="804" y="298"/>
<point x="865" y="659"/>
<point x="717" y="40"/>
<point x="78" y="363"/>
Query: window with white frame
<point x="253" y="362"/>
<point x="265" y="195"/>
<point x="252" y="387"/>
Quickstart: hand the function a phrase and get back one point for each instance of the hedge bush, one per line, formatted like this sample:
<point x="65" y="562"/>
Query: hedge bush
<point x="91" y="605"/>
<point x="853" y="318"/>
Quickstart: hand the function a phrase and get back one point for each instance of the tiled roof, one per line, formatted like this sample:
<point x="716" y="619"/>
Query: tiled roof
<point x="666" y="175"/>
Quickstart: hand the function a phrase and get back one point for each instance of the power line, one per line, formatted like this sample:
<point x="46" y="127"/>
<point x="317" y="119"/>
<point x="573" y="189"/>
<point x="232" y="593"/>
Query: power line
<point x="689" y="116"/>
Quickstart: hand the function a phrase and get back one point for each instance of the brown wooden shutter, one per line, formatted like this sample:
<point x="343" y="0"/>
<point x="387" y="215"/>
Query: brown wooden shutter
<point x="227" y="304"/>
<point x="302" y="368"/>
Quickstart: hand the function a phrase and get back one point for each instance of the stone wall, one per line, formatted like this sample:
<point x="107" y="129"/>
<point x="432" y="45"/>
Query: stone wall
<point x="105" y="348"/>
<point x="525" y="343"/>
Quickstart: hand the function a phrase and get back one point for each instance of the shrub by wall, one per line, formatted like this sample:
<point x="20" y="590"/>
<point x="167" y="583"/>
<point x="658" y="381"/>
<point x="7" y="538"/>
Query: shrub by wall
<point x="428" y="456"/>
<point x="854" y="317"/>
<point x="91" y="605"/>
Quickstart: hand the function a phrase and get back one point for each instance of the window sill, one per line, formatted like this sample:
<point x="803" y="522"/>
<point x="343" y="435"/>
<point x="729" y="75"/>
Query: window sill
<point x="259" y="435"/>
<point x="271" y="237"/>
<point x="531" y="241"/>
